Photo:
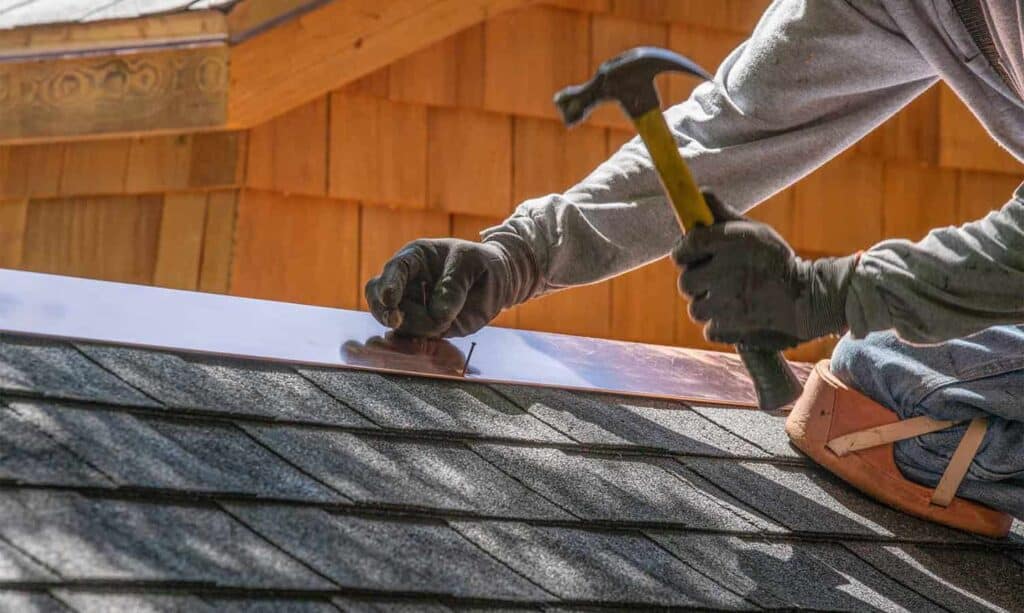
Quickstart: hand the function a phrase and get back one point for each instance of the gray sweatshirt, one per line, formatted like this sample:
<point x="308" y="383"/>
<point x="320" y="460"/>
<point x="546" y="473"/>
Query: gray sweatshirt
<point x="814" y="77"/>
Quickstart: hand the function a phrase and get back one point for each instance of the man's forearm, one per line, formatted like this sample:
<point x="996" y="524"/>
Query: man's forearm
<point x="954" y="282"/>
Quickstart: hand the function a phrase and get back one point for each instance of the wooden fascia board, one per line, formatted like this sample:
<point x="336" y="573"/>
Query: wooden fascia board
<point x="321" y="50"/>
<point x="188" y="28"/>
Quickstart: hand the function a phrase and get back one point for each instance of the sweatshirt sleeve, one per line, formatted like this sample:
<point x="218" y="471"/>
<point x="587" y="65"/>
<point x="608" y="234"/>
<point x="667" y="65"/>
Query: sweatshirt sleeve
<point x="954" y="282"/>
<point x="814" y="77"/>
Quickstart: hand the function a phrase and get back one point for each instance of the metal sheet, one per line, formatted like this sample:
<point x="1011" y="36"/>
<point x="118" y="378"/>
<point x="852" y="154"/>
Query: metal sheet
<point x="117" y="313"/>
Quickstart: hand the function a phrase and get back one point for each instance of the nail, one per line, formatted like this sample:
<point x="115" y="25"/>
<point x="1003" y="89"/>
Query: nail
<point x="465" y="365"/>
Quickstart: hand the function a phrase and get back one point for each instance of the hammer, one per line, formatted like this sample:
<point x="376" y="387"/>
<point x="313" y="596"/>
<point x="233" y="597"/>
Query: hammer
<point x="629" y="79"/>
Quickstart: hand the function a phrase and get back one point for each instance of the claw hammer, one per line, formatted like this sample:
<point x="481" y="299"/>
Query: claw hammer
<point x="629" y="79"/>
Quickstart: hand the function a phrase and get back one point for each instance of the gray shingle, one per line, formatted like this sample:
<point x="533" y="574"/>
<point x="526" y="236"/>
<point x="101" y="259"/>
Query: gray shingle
<point x="961" y="580"/>
<point x="371" y="469"/>
<point x="270" y="605"/>
<point x="791" y="575"/>
<point x="352" y="605"/>
<point x="615" y="489"/>
<point x="593" y="566"/>
<point x="29" y="602"/>
<point x="221" y="384"/>
<point x="383" y="554"/>
<point x="154" y="453"/>
<point x="806" y="499"/>
<point x="87" y="538"/>
<point x="54" y="369"/>
<point x="108" y="602"/>
<point x="766" y="430"/>
<point x="16" y="566"/>
<point x="28" y="455"/>
<point x="423" y="404"/>
<point x="618" y="420"/>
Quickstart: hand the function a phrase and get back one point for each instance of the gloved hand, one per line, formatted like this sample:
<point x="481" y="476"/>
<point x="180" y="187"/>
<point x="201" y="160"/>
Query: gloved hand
<point x="746" y="283"/>
<point x="450" y="287"/>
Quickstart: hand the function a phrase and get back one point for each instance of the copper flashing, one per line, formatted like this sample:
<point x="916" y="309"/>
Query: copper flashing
<point x="116" y="313"/>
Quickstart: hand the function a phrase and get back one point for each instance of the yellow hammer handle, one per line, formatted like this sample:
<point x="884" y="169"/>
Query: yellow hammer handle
<point x="687" y="201"/>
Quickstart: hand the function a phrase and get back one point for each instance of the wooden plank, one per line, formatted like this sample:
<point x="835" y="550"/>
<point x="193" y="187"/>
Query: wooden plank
<point x="610" y="36"/>
<point x="378" y="151"/>
<point x="912" y="135"/>
<point x="112" y="238"/>
<point x="738" y="16"/>
<point x="179" y="89"/>
<point x="448" y="73"/>
<point x="250" y="16"/>
<point x="524" y="72"/>
<point x="217" y="159"/>
<point x="180" y="246"/>
<point x="12" y="231"/>
<point x="336" y="44"/>
<point x="94" y="167"/>
<point x="917" y="199"/>
<point x="468" y="227"/>
<point x="384" y="231"/>
<point x="549" y="158"/>
<point x="838" y="208"/>
<point x="645" y="304"/>
<point x="586" y="6"/>
<point x="706" y="47"/>
<point x="31" y="171"/>
<point x="65" y="39"/>
<point x="376" y="84"/>
<point x="963" y="141"/>
<point x="778" y="212"/>
<point x="289" y="153"/>
<point x="980" y="193"/>
<point x="469" y="162"/>
<point x="158" y="163"/>
<point x="296" y="249"/>
<point x="218" y="242"/>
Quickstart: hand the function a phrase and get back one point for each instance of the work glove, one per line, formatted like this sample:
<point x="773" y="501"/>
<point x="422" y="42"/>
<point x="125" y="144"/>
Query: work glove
<point x="748" y="287"/>
<point x="450" y="287"/>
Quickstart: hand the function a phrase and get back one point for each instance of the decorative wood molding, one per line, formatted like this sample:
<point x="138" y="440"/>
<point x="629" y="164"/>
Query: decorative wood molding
<point x="181" y="89"/>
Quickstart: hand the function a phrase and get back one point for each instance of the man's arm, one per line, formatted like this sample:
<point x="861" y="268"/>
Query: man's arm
<point x="813" y="79"/>
<point x="954" y="282"/>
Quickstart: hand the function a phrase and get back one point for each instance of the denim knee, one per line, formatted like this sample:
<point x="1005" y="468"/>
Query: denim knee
<point x="862" y="365"/>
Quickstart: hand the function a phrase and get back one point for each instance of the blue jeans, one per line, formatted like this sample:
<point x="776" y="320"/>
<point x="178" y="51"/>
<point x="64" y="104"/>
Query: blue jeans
<point x="981" y="375"/>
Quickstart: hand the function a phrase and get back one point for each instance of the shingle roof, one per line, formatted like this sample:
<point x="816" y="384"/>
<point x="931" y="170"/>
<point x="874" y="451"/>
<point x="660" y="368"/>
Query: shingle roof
<point x="133" y="478"/>
<point x="19" y="13"/>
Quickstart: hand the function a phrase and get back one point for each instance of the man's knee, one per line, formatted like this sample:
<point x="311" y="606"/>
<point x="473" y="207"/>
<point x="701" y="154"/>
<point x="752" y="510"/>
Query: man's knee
<point x="877" y="366"/>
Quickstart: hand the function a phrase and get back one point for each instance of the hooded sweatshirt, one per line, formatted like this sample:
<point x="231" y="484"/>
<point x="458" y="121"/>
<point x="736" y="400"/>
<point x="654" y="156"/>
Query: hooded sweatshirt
<point x="815" y="77"/>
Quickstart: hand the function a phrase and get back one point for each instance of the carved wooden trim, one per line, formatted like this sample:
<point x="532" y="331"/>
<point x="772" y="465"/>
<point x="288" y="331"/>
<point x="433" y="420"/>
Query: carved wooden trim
<point x="181" y="89"/>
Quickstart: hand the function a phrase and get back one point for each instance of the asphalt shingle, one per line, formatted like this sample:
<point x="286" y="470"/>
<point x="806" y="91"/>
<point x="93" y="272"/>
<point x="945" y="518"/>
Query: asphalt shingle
<point x="593" y="566"/>
<point x="352" y="605"/>
<point x="170" y="455"/>
<point x="381" y="554"/>
<point x="270" y="605"/>
<point x="91" y="539"/>
<point x="615" y="420"/>
<point x="29" y="455"/>
<point x="224" y="385"/>
<point x="764" y="429"/>
<point x="961" y="580"/>
<point x="807" y="499"/>
<point x="414" y="403"/>
<point x="598" y="487"/>
<point x="21" y="601"/>
<point x="792" y="575"/>
<point x="99" y="602"/>
<point x="437" y="475"/>
<point x="16" y="566"/>
<point x="54" y="369"/>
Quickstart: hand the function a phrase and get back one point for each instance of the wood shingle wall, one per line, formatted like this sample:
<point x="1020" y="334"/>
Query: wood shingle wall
<point x="308" y="206"/>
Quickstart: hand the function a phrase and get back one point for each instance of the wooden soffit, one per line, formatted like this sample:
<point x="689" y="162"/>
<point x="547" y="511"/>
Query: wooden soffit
<point x="204" y="70"/>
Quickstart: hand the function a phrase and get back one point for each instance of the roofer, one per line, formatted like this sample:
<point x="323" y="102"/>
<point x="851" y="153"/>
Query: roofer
<point x="814" y="77"/>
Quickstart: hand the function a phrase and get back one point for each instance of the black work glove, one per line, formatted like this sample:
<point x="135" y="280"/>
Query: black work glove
<point x="744" y="281"/>
<point x="450" y="287"/>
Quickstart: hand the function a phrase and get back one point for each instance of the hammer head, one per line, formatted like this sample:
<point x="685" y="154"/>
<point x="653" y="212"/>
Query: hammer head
<point x="627" y="78"/>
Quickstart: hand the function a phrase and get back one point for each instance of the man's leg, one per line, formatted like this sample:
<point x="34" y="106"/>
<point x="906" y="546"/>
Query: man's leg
<point x="982" y="375"/>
